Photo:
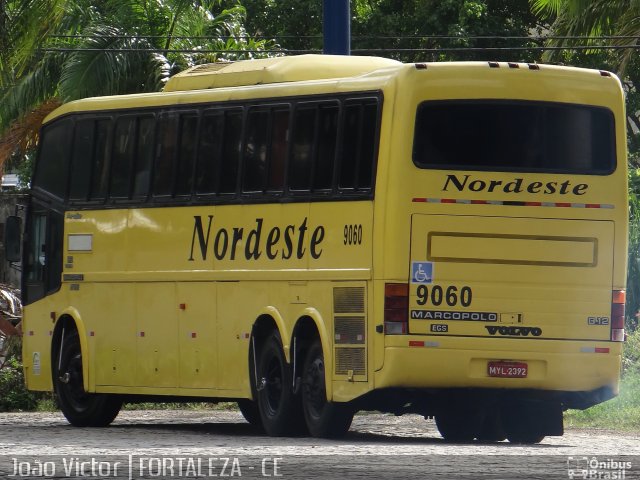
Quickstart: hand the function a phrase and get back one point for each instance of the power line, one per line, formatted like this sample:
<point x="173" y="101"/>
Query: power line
<point x="358" y="51"/>
<point x="361" y="37"/>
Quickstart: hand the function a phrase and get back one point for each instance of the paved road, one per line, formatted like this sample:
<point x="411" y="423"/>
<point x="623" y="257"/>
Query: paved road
<point x="203" y="444"/>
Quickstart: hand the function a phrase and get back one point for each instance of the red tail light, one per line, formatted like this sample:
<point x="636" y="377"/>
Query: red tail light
<point x="396" y="308"/>
<point x="617" y="315"/>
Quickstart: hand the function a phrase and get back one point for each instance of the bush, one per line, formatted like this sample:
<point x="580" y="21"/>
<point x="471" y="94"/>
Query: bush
<point x="631" y="354"/>
<point x="14" y="395"/>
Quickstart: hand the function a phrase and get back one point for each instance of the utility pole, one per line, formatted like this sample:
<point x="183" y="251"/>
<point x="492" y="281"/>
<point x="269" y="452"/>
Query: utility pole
<point x="337" y="27"/>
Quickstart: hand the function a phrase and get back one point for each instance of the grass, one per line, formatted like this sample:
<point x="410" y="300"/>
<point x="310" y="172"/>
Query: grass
<point x="620" y="413"/>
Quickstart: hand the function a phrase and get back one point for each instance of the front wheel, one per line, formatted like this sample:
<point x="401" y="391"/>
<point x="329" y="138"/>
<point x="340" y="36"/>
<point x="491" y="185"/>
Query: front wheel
<point x="82" y="409"/>
<point x="324" y="419"/>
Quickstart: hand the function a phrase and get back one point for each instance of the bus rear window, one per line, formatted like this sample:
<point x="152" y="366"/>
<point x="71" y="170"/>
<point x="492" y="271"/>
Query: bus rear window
<point x="514" y="136"/>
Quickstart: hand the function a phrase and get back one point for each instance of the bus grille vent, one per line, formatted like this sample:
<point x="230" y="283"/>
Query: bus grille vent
<point x="348" y="300"/>
<point x="350" y="359"/>
<point x="349" y="330"/>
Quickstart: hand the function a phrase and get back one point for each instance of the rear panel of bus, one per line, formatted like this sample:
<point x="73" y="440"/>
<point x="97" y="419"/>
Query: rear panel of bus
<point x="505" y="236"/>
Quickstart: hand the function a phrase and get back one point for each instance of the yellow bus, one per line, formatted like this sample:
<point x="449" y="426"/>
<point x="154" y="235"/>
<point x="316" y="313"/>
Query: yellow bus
<point x="316" y="235"/>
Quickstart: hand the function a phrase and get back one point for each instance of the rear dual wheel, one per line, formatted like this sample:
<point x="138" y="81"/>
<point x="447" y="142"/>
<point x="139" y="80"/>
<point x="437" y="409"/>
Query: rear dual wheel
<point x="280" y="410"/>
<point x="324" y="418"/>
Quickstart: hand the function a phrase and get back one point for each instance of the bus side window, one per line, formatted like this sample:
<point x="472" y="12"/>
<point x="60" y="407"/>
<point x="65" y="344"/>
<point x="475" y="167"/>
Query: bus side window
<point x="51" y="174"/>
<point x="304" y="121"/>
<point x="186" y="154"/>
<point x="122" y="161"/>
<point x="144" y="156"/>
<point x="209" y="152"/>
<point x="255" y="151"/>
<point x="358" y="141"/>
<point x="278" y="152"/>
<point x="326" y="145"/>
<point x="231" y="150"/>
<point x="101" y="160"/>
<point x="166" y="149"/>
<point x="81" y="160"/>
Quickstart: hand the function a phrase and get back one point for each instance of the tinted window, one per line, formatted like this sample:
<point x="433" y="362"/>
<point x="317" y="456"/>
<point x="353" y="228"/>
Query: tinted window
<point x="81" y="160"/>
<point x="327" y="141"/>
<point x="304" y="122"/>
<point x="101" y="160"/>
<point x="52" y="168"/>
<point x="279" y="146"/>
<point x="124" y="139"/>
<point x="186" y="154"/>
<point x="144" y="156"/>
<point x="210" y="152"/>
<point x="514" y="136"/>
<point x="255" y="151"/>
<point x="358" y="146"/>
<point x="165" y="154"/>
<point x="231" y="148"/>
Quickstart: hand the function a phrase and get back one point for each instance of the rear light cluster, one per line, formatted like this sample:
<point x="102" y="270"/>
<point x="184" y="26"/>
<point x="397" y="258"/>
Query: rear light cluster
<point x="617" y="315"/>
<point x="396" y="308"/>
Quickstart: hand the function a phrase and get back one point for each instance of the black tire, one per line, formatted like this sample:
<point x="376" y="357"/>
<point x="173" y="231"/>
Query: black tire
<point x="458" y="425"/>
<point x="81" y="409"/>
<point x="249" y="410"/>
<point x="492" y="429"/>
<point x="280" y="410"/>
<point x="521" y="426"/>
<point x="525" y="438"/>
<point x="324" y="419"/>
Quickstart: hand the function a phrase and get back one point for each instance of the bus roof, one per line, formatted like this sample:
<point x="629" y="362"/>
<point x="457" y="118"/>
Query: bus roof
<point x="308" y="68"/>
<point x="275" y="70"/>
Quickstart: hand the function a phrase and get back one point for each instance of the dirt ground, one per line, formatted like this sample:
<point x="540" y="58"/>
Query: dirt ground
<point x="377" y="446"/>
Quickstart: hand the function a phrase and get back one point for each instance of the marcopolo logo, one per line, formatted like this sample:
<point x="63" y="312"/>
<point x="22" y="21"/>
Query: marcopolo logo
<point x="517" y="185"/>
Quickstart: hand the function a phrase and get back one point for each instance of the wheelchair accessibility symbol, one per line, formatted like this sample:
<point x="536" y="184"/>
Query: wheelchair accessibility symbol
<point x="421" y="272"/>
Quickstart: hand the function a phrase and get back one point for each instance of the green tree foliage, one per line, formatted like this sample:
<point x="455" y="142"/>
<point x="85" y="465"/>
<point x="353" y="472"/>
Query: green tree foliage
<point x="404" y="23"/>
<point x="393" y="25"/>
<point x="61" y="50"/>
<point x="593" y="18"/>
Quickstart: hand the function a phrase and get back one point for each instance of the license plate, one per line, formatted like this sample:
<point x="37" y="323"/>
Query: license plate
<point x="507" y="369"/>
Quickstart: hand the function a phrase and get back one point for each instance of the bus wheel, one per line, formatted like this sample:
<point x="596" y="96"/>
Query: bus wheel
<point x="81" y="409"/>
<point x="457" y="425"/>
<point x="279" y="408"/>
<point x="492" y="429"/>
<point x="324" y="419"/>
<point x="250" y="412"/>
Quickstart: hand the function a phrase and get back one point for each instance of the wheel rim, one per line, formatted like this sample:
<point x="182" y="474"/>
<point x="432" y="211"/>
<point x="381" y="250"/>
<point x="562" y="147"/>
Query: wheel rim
<point x="314" y="388"/>
<point x="273" y="384"/>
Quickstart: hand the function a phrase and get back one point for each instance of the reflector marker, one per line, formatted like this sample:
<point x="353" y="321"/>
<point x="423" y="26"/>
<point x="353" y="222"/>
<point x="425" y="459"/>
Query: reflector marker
<point x="594" y="350"/>
<point x="514" y="203"/>
<point x="420" y="343"/>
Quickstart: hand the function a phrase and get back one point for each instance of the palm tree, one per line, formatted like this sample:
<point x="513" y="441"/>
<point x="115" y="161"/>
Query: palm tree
<point x="69" y="49"/>
<point x="593" y="18"/>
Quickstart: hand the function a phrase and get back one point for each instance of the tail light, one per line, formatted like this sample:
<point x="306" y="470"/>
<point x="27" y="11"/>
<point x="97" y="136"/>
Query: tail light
<point x="396" y="308"/>
<point x="617" y="315"/>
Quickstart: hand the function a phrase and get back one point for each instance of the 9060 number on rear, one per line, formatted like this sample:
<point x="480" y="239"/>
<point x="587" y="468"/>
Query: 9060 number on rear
<point x="452" y="296"/>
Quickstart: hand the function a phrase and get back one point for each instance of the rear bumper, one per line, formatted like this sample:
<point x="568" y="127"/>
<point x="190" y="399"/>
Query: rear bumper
<point x="579" y="377"/>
